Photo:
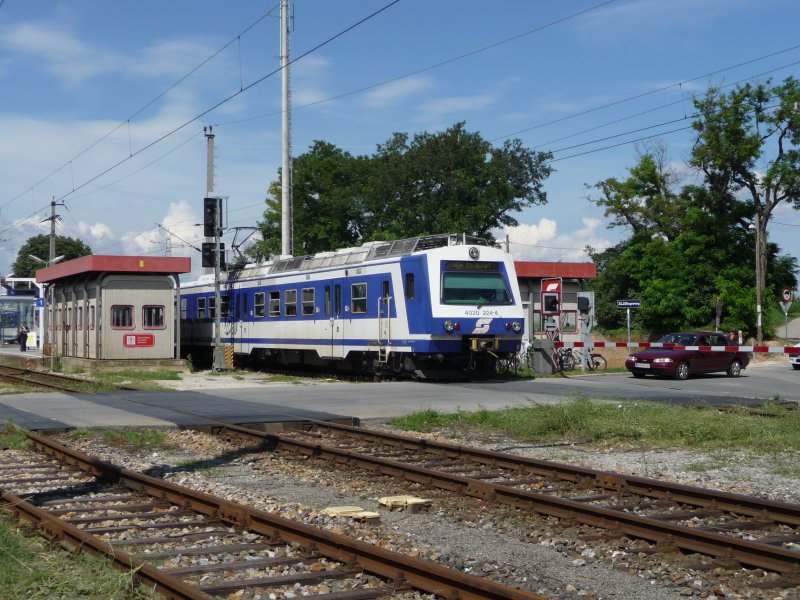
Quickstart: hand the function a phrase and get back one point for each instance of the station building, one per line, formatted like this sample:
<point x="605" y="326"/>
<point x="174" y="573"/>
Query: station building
<point x="571" y="278"/>
<point x="113" y="307"/>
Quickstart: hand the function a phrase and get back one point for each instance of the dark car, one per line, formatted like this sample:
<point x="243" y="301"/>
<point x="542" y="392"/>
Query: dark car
<point x="680" y="363"/>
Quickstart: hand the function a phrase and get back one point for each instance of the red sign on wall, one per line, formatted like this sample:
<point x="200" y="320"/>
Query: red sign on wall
<point x="138" y="340"/>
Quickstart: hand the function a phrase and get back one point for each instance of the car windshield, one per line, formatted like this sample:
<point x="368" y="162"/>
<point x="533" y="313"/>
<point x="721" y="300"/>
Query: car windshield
<point x="679" y="339"/>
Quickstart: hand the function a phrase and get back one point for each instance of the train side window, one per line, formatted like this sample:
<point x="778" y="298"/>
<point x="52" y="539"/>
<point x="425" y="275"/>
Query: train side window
<point x="122" y="316"/>
<point x="274" y="304"/>
<point x="358" y="298"/>
<point x="243" y="299"/>
<point x="153" y="317"/>
<point x="337" y="300"/>
<point x="184" y="309"/>
<point x="308" y="301"/>
<point x="258" y="304"/>
<point x="225" y="307"/>
<point x="212" y="307"/>
<point x="409" y="286"/>
<point x="290" y="303"/>
<point x="327" y="300"/>
<point x="201" y="308"/>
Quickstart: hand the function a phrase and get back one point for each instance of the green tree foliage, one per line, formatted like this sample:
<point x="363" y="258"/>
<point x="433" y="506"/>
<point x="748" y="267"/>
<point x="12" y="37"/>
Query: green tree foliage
<point x="434" y="183"/>
<point x="681" y="259"/>
<point x="39" y="246"/>
<point x="748" y="145"/>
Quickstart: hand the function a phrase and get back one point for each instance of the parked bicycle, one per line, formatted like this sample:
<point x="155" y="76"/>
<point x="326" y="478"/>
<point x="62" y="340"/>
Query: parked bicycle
<point x="570" y="358"/>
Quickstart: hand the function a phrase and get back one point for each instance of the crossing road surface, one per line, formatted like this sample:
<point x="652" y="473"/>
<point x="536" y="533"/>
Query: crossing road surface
<point x="775" y="381"/>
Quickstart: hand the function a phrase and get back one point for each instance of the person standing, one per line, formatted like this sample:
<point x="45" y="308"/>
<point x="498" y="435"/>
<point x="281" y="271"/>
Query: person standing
<point x="23" y="338"/>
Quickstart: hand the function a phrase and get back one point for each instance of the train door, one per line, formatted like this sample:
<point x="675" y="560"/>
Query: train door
<point x="243" y="318"/>
<point x="384" y="314"/>
<point x="333" y="327"/>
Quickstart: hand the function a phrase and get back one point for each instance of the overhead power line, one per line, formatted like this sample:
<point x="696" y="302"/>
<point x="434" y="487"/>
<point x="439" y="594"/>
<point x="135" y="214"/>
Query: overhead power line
<point x="225" y="100"/>
<point x="140" y="110"/>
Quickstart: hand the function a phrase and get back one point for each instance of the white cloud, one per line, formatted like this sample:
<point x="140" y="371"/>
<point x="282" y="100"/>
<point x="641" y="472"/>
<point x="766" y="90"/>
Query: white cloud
<point x="61" y="52"/>
<point x="542" y="241"/>
<point x="455" y="104"/>
<point x="397" y="91"/>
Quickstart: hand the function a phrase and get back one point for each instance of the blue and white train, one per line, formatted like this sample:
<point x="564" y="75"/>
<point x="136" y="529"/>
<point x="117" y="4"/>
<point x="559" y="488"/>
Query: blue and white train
<point x="427" y="307"/>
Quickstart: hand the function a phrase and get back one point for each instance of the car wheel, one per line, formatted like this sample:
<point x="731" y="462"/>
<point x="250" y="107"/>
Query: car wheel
<point x="682" y="372"/>
<point x="796" y="367"/>
<point x="735" y="369"/>
<point x="639" y="375"/>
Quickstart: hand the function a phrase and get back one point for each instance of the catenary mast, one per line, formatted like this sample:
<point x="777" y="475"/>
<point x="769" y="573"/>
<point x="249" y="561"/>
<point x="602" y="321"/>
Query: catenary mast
<point x="287" y="242"/>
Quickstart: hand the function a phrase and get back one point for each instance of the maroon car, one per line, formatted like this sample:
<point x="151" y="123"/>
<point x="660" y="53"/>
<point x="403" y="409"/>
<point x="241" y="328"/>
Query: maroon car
<point x="680" y="363"/>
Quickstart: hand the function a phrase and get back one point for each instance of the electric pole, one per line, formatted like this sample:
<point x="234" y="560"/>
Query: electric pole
<point x="287" y="243"/>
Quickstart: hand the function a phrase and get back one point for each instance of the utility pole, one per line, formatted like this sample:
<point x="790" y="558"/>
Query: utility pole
<point x="209" y="174"/>
<point x="759" y="276"/>
<point x="287" y="243"/>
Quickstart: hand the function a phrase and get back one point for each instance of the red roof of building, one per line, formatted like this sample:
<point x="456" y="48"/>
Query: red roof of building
<point x="527" y="268"/>
<point x="93" y="263"/>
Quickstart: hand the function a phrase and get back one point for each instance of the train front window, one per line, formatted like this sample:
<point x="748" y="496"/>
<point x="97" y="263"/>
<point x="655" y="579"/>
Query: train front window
<point x="479" y="288"/>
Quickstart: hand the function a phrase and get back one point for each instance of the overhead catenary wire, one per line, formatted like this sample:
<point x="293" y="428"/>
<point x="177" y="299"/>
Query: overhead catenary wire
<point x="227" y="99"/>
<point x="140" y="110"/>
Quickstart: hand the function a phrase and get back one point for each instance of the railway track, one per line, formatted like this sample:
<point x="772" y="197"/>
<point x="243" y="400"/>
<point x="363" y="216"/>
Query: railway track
<point x="188" y="544"/>
<point x="735" y="530"/>
<point x="53" y="381"/>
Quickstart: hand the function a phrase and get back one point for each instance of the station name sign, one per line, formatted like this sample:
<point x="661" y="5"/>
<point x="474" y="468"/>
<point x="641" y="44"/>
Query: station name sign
<point x="629" y="303"/>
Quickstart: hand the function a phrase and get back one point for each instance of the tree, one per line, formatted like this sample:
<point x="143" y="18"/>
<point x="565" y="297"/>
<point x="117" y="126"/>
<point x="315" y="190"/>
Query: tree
<point x="327" y="211"/>
<point x="453" y="181"/>
<point x="688" y="248"/>
<point x="748" y="142"/>
<point x="39" y="246"/>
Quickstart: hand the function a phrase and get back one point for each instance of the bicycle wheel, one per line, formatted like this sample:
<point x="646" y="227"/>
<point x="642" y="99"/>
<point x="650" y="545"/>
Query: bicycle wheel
<point x="597" y="362"/>
<point x="568" y="361"/>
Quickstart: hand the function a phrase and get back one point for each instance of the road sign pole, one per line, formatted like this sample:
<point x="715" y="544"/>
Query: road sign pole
<point x="628" y="310"/>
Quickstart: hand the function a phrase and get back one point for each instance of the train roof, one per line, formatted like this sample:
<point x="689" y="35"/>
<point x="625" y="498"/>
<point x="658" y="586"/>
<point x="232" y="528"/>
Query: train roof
<point x="373" y="250"/>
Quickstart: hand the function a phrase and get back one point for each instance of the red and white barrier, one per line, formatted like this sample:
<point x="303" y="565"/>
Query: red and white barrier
<point x="639" y="345"/>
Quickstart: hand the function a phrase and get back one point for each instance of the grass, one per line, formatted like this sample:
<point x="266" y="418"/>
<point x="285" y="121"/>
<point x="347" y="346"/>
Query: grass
<point x="33" y="569"/>
<point x="137" y="439"/>
<point x="145" y="380"/>
<point x="13" y="437"/>
<point x="642" y="423"/>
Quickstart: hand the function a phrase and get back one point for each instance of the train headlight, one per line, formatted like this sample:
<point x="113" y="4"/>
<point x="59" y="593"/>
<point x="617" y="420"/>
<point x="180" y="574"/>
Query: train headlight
<point x="474" y="253"/>
<point x="516" y="326"/>
<point x="449" y="326"/>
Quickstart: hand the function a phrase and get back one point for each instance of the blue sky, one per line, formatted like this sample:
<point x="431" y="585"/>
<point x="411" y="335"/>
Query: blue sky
<point x="90" y="85"/>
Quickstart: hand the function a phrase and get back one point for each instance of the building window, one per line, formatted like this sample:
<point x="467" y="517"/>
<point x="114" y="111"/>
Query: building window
<point x="274" y="304"/>
<point x="184" y="305"/>
<point x="153" y="317"/>
<point x="358" y="298"/>
<point x="259" y="304"/>
<point x="290" y="303"/>
<point x="201" y="308"/>
<point x="122" y="317"/>
<point x="80" y="317"/>
<point x="91" y="317"/>
<point x="308" y="301"/>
